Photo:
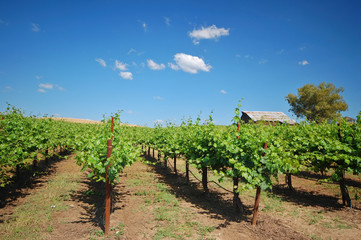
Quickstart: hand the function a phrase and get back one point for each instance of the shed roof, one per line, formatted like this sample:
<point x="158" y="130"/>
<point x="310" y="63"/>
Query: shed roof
<point x="349" y="119"/>
<point x="269" y="116"/>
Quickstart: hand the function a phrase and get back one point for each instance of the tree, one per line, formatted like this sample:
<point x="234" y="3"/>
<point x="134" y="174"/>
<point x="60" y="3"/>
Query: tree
<point x="317" y="103"/>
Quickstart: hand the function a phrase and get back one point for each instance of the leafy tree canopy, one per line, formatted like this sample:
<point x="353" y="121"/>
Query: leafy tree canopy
<point x="317" y="103"/>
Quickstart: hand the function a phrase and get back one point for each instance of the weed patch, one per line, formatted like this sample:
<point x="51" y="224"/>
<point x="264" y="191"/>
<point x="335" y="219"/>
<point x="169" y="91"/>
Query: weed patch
<point x="35" y="216"/>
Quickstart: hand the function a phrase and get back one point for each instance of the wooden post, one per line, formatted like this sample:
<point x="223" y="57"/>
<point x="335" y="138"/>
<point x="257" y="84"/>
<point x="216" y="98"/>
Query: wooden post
<point x="256" y="205"/>
<point x="108" y="190"/>
<point x="153" y="152"/>
<point x="149" y="151"/>
<point x="187" y="172"/>
<point x="175" y="164"/>
<point x="204" y="179"/>
<point x="258" y="198"/>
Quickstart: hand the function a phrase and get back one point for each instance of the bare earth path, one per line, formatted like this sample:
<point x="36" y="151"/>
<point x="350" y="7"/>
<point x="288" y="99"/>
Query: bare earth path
<point x="150" y="202"/>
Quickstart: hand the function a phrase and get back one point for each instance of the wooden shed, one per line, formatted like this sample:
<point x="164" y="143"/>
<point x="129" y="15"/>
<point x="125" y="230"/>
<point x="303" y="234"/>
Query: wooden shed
<point x="350" y="120"/>
<point x="268" y="117"/>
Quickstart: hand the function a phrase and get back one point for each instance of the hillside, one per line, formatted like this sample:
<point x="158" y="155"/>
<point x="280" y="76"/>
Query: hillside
<point x="77" y="120"/>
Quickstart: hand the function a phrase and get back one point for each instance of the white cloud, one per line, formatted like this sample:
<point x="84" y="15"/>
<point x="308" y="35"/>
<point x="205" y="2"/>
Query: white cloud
<point x="49" y="86"/>
<point x="154" y="66"/>
<point x="46" y="85"/>
<point x="189" y="63"/>
<point x="144" y="25"/>
<point x="173" y="66"/>
<point x="101" y="62"/>
<point x="211" y="32"/>
<point x="303" y="63"/>
<point x="38" y="77"/>
<point x="262" y="61"/>
<point x="223" y="91"/>
<point x="121" y="66"/>
<point x="158" y="98"/>
<point x="35" y="27"/>
<point x="132" y="50"/>
<point x="7" y="89"/>
<point x="126" y="75"/>
<point x="167" y="21"/>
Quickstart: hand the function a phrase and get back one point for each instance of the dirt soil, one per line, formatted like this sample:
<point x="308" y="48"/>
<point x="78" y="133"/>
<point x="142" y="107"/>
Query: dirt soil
<point x="76" y="120"/>
<point x="312" y="212"/>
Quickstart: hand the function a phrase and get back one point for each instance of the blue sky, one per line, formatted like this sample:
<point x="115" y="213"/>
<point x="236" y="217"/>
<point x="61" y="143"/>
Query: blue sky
<point x="165" y="60"/>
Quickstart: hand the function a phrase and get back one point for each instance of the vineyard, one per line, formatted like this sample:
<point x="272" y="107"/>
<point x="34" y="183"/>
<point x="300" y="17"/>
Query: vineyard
<point x="239" y="159"/>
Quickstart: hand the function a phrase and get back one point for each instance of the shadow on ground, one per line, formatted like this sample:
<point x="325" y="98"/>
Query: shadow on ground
<point x="311" y="198"/>
<point x="220" y="205"/>
<point x="217" y="205"/>
<point x="29" y="178"/>
<point x="92" y="199"/>
<point x="306" y="198"/>
<point x="317" y="176"/>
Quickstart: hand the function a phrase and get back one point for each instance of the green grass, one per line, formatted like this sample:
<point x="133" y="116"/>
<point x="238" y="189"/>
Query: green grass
<point x="170" y="220"/>
<point x="295" y="212"/>
<point x="143" y="193"/>
<point x="272" y="202"/>
<point x="168" y="232"/>
<point x="97" y="232"/>
<point x="34" y="218"/>
<point x="119" y="230"/>
<point x="171" y="217"/>
<point x="135" y="182"/>
<point x="203" y="231"/>
<point x="115" y="233"/>
<point x="340" y="224"/>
